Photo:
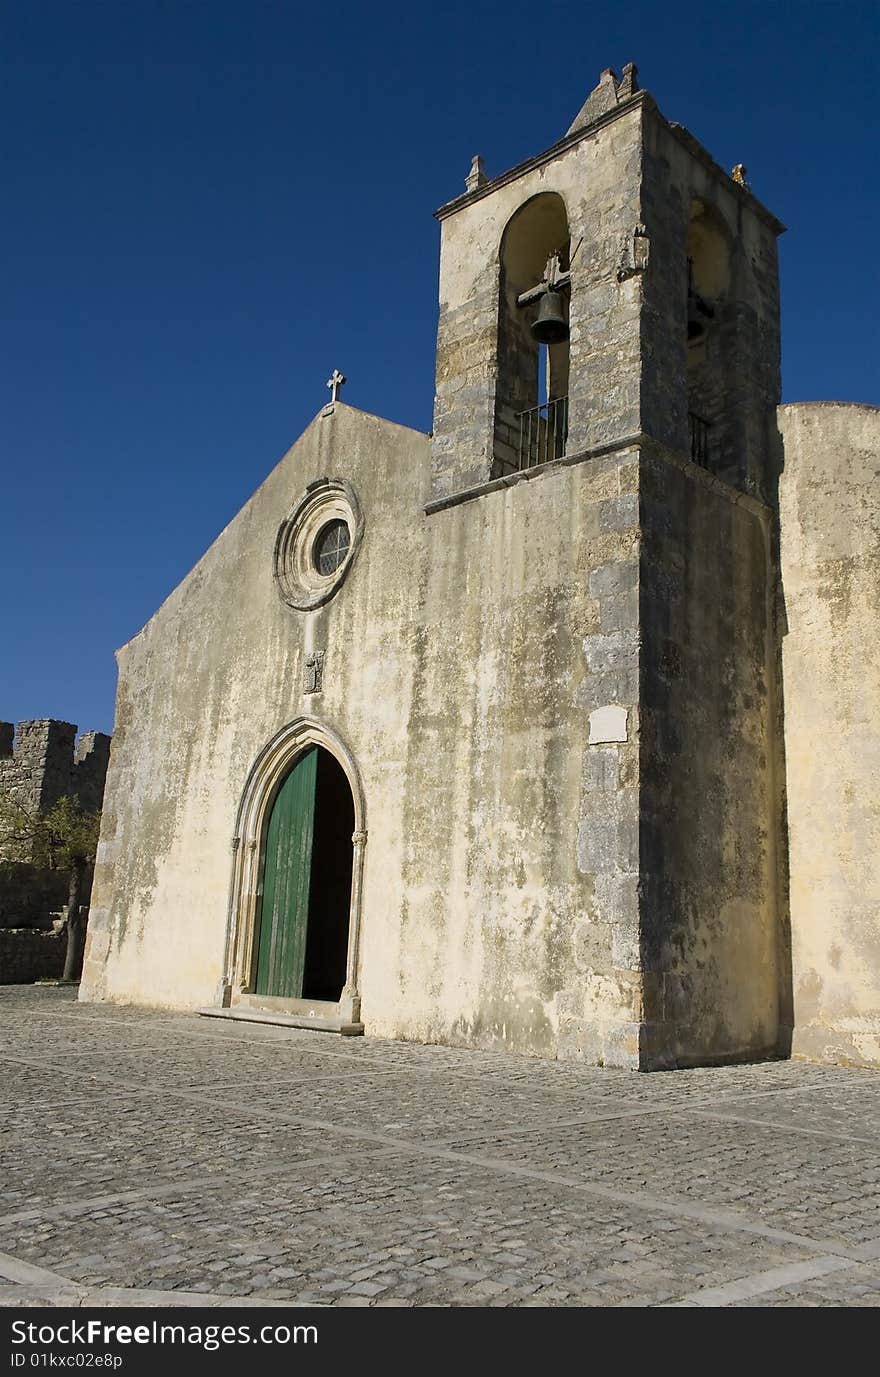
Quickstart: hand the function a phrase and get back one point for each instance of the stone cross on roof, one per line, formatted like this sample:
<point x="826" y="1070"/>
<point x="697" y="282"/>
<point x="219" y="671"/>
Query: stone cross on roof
<point x="334" y="382"/>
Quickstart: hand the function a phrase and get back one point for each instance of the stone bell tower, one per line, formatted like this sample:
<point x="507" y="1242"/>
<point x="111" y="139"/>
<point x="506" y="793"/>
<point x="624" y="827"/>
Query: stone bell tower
<point x="609" y="312"/>
<point x="668" y="273"/>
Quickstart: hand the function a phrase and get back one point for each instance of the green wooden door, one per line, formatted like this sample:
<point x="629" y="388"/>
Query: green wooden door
<point x="287" y="871"/>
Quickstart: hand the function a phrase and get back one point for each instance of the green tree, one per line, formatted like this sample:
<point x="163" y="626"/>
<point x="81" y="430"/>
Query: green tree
<point x="64" y="838"/>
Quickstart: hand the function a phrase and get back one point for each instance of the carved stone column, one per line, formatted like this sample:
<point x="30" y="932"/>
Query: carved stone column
<point x="350" y="999"/>
<point x="223" y="995"/>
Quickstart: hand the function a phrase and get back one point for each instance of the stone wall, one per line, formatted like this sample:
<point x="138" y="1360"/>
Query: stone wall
<point x="560" y="697"/>
<point x="830" y="514"/>
<point x="464" y="659"/>
<point x="29" y="954"/>
<point x="35" y="768"/>
<point x="715" y="972"/>
<point x="39" y="765"/>
<point x="29" y="893"/>
<point x="41" y="761"/>
<point x="532" y="794"/>
<point x="215" y="675"/>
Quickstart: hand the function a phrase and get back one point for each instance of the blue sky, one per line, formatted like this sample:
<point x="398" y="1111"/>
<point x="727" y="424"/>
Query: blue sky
<point x="209" y="206"/>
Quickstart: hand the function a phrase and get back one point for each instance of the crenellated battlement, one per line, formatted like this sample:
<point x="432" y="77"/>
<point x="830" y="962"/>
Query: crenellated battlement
<point x="41" y="761"/>
<point x="91" y="758"/>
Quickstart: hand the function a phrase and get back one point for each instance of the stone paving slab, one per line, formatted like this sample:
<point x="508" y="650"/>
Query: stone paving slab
<point x="191" y="1066"/>
<point x="140" y="1141"/>
<point x="170" y="1160"/>
<point x="826" y="1188"/>
<point x="405" y="1226"/>
<point x="841" y="1289"/>
<point x="418" y="1107"/>
<point x="850" y="1111"/>
<point x="23" y="1087"/>
<point x="134" y="1027"/>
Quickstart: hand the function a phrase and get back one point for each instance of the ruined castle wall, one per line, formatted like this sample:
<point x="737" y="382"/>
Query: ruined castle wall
<point x="38" y="765"/>
<point x="30" y="893"/>
<point x="830" y="515"/>
<point x="90" y="770"/>
<point x="38" y="773"/>
<point x="29" y="954"/>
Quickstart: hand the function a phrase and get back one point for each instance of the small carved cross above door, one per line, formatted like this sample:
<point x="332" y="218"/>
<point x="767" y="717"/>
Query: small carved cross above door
<point x="313" y="673"/>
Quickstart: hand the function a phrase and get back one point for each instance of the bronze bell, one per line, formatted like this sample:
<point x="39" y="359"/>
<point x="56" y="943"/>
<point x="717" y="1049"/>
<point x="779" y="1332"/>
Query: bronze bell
<point x="696" y="322"/>
<point x="699" y="313"/>
<point x="550" y="327"/>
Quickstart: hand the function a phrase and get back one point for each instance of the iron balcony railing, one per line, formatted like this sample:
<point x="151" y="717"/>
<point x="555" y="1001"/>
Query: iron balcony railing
<point x="543" y="432"/>
<point x="698" y="430"/>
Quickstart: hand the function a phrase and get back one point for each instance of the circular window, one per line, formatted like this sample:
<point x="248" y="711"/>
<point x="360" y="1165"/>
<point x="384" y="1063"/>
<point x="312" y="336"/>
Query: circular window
<point x="316" y="546"/>
<point x="331" y="547"/>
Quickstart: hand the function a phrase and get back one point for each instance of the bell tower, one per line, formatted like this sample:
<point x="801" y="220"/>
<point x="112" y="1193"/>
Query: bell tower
<point x="607" y="378"/>
<point x="653" y="277"/>
<point x="543" y="240"/>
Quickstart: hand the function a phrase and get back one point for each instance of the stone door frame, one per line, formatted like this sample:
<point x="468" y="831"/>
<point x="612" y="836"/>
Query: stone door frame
<point x="266" y="776"/>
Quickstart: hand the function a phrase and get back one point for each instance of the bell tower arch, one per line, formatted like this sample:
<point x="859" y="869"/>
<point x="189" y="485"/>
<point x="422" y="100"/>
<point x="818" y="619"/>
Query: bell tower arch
<point x="657" y="269"/>
<point x="531" y="395"/>
<point x="541" y="246"/>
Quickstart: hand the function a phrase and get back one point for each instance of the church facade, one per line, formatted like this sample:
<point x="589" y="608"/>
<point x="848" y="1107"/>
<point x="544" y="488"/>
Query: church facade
<point x="556" y="730"/>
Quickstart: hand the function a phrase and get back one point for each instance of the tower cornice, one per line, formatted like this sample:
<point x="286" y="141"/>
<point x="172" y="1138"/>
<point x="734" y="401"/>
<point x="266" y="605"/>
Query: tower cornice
<point x="639" y="100"/>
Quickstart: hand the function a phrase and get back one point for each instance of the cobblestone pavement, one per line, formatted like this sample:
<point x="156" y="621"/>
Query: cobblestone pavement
<point x="158" y="1159"/>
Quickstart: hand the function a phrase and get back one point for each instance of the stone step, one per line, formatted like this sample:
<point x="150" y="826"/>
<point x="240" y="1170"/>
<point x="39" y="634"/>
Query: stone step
<point x="314" y="1024"/>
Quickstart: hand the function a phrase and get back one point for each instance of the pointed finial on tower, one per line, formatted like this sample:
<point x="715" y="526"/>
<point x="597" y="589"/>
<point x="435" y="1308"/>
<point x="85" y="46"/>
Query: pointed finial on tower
<point x="629" y="82"/>
<point x="477" y="175"/>
<point x="739" y="174"/>
<point x="612" y="90"/>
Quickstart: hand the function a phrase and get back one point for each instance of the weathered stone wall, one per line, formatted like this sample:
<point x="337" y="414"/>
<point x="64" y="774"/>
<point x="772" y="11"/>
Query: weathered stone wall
<point x="535" y="849"/>
<point x="29" y="954"/>
<point x="710" y="811"/>
<point x="90" y="769"/>
<point x="35" y="772"/>
<point x="212" y="678"/>
<point x="464" y="655"/>
<point x="38" y="765"/>
<point x="29" y="893"/>
<point x="830" y="514"/>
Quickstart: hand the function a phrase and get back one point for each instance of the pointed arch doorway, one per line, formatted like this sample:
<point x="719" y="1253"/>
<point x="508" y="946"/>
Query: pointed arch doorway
<point x="293" y="926"/>
<point x="304" y="909"/>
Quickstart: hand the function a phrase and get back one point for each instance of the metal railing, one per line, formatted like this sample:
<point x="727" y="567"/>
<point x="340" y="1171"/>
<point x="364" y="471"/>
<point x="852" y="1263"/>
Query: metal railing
<point x="698" y="431"/>
<point x="543" y="433"/>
